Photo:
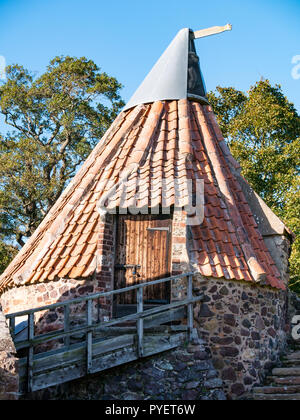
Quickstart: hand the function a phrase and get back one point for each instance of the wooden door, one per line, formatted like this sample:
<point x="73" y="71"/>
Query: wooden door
<point x="142" y="255"/>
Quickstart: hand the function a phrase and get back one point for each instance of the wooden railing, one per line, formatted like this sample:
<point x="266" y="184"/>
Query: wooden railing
<point x="89" y="328"/>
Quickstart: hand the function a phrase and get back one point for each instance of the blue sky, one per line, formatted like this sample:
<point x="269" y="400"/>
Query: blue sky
<point x="125" y="38"/>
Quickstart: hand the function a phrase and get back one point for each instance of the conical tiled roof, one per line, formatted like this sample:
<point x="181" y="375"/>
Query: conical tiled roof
<point x="166" y="140"/>
<point x="157" y="138"/>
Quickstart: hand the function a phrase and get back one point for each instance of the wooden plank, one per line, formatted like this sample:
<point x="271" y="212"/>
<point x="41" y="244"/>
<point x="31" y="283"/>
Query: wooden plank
<point x="61" y="334"/>
<point x="62" y="358"/>
<point x="67" y="324"/>
<point x="89" y="337"/>
<point x="140" y="322"/>
<point x="144" y="247"/>
<point x="118" y="331"/>
<point x="114" y="359"/>
<point x="163" y="343"/>
<point x="50" y="368"/>
<point x="190" y="308"/>
<point x="212" y="31"/>
<point x="58" y="377"/>
<point x="153" y="321"/>
<point x="30" y="353"/>
<point x="71" y="369"/>
<point x="12" y="327"/>
<point x="168" y="316"/>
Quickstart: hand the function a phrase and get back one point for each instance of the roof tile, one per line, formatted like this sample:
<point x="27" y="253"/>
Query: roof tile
<point x="172" y="140"/>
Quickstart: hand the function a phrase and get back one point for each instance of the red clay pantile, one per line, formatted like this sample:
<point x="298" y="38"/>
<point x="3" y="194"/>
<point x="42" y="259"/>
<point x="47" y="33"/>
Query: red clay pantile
<point x="168" y="140"/>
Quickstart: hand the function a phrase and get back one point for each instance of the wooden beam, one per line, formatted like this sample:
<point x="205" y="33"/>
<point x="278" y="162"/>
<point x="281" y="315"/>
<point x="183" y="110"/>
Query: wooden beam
<point x="67" y="324"/>
<point x="89" y="338"/>
<point x="190" y="306"/>
<point x="64" y="366"/>
<point x="212" y="31"/>
<point x="30" y="353"/>
<point x="140" y="321"/>
<point x="82" y="330"/>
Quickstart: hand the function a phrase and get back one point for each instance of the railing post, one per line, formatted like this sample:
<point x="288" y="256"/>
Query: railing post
<point x="190" y="306"/>
<point x="140" y="321"/>
<point x="89" y="337"/>
<point x="67" y="324"/>
<point x="98" y="311"/>
<point x="12" y="327"/>
<point x="30" y="352"/>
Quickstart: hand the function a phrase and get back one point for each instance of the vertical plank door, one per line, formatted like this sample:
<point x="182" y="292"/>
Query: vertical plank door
<point x="142" y="255"/>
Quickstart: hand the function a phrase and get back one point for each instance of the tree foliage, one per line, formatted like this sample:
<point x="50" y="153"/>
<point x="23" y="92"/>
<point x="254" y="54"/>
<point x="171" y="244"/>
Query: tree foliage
<point x="55" y="120"/>
<point x="7" y="253"/>
<point x="263" y="132"/>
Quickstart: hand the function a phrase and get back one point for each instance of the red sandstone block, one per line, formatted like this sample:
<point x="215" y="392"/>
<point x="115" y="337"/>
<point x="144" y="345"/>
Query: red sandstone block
<point x="179" y="239"/>
<point x="17" y="302"/>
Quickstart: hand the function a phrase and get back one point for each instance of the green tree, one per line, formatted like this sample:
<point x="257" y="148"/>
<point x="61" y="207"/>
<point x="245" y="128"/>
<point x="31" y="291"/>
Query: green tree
<point x="7" y="252"/>
<point x="55" y="119"/>
<point x="263" y="132"/>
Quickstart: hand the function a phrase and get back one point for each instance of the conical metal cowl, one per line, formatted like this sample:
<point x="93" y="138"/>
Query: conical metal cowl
<point x="175" y="76"/>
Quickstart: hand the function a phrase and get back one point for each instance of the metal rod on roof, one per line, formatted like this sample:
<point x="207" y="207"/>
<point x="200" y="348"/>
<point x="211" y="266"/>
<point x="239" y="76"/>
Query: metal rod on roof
<point x="212" y="31"/>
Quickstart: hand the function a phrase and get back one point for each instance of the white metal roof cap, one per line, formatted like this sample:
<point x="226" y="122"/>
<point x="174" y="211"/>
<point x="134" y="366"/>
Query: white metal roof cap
<point x="169" y="77"/>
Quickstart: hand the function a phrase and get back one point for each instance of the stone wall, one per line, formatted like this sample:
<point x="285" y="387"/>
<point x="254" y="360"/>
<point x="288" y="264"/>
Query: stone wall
<point x="37" y="295"/>
<point x="245" y="327"/>
<point x="186" y="373"/>
<point x="9" y="380"/>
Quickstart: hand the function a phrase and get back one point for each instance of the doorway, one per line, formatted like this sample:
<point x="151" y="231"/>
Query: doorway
<point x="143" y="254"/>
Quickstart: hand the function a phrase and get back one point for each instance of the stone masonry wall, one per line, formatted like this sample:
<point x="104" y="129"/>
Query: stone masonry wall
<point x="9" y="380"/>
<point x="245" y="327"/>
<point x="60" y="290"/>
<point x="186" y="373"/>
<point x="35" y="296"/>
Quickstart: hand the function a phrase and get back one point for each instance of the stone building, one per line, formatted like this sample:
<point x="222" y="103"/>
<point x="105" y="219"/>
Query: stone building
<point x="161" y="195"/>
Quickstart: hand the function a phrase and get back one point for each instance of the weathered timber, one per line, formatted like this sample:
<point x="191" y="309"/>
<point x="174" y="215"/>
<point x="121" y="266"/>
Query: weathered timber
<point x="89" y="337"/>
<point x="286" y="372"/>
<point x="43" y="338"/>
<point x="59" y="358"/>
<point x="289" y="380"/>
<point x="160" y="329"/>
<point x="294" y="356"/>
<point x="140" y="323"/>
<point x="62" y="366"/>
<point x="277" y="397"/>
<point x="104" y="345"/>
<point x="277" y="390"/>
<point x="30" y="352"/>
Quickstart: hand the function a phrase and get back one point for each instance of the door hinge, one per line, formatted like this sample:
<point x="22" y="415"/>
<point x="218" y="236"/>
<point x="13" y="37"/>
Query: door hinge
<point x="164" y="229"/>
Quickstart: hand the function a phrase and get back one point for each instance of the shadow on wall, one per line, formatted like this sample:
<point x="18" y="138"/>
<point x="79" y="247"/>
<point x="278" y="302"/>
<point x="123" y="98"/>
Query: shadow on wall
<point x="63" y="318"/>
